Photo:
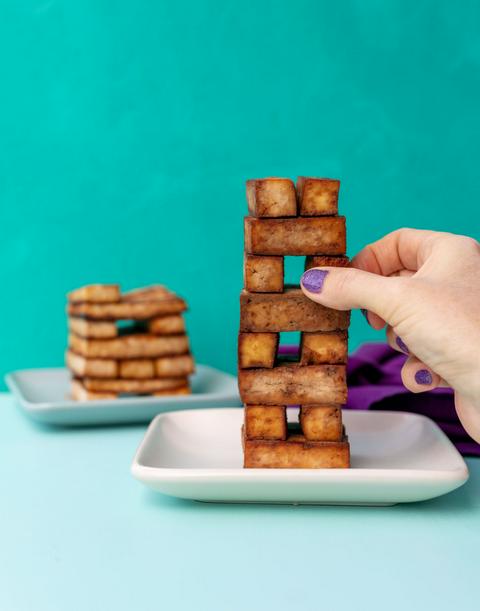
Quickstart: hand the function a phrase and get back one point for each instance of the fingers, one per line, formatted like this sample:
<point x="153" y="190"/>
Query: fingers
<point x="396" y="342"/>
<point x="403" y="273"/>
<point x="415" y="366"/>
<point x="417" y="377"/>
<point x="469" y="415"/>
<point x="347" y="288"/>
<point x="404" y="249"/>
<point x="374" y="320"/>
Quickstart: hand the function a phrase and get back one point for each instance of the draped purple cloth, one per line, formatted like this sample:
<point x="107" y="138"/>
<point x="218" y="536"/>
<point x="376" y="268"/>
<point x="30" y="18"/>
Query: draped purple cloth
<point x="374" y="382"/>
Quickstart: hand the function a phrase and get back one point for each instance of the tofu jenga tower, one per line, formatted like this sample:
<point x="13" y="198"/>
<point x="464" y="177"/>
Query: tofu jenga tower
<point x="283" y="221"/>
<point x="133" y="343"/>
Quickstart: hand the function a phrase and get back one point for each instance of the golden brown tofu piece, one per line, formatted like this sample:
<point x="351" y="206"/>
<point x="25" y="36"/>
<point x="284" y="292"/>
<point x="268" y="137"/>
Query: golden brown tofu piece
<point x="104" y="302"/>
<point x="165" y="367"/>
<point x="148" y="293"/>
<point x="298" y="236"/>
<point x="257" y="349"/>
<point x="321" y="422"/>
<point x="288" y="311"/>
<point x="95" y="293"/>
<point x="80" y="393"/>
<point x="317" y="196"/>
<point x="93" y="328"/>
<point x="167" y="325"/>
<point x="130" y="346"/>
<point x="293" y="384"/>
<point x="137" y="368"/>
<point x="296" y="453"/>
<point x="321" y="348"/>
<point x="174" y="366"/>
<point x="271" y="197"/>
<point x="265" y="422"/>
<point x="324" y="261"/>
<point x="263" y="274"/>
<point x="128" y="310"/>
<point x="95" y="368"/>
<point x="137" y="386"/>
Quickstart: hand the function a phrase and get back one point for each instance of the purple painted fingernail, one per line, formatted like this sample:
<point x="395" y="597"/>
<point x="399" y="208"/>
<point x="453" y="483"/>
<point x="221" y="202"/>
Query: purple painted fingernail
<point x="402" y="345"/>
<point x="313" y="280"/>
<point x="424" y="377"/>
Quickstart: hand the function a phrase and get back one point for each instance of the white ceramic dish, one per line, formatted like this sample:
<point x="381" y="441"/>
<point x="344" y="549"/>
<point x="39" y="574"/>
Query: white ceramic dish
<point x="44" y="395"/>
<point x="397" y="457"/>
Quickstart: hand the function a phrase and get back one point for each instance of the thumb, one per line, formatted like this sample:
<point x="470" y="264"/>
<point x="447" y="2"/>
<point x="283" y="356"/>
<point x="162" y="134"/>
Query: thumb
<point x="469" y="416"/>
<point x="346" y="288"/>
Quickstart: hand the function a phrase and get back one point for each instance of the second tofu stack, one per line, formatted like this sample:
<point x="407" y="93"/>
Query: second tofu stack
<point x="127" y="343"/>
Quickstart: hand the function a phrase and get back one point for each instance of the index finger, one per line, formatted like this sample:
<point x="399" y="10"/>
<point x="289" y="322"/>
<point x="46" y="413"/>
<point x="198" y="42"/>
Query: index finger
<point x="403" y="249"/>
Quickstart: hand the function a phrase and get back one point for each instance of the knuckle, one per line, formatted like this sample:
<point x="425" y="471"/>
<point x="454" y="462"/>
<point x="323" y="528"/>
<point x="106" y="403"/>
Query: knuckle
<point x="470" y="243"/>
<point x="404" y="230"/>
<point x="401" y="295"/>
<point x="452" y="239"/>
<point x="367" y="258"/>
<point x="402" y="233"/>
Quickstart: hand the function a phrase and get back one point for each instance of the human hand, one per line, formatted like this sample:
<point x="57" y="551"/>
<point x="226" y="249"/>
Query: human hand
<point x="425" y="286"/>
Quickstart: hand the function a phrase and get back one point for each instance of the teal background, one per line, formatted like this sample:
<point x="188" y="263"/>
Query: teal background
<point x="128" y="130"/>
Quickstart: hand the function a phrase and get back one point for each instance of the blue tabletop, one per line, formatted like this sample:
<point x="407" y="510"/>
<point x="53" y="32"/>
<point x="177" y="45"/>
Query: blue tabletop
<point x="78" y="532"/>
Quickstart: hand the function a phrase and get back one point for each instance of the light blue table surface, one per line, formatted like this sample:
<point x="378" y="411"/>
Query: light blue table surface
<point x="78" y="532"/>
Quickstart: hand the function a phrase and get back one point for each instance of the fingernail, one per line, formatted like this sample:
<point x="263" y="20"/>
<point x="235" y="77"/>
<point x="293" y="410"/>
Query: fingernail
<point x="402" y="345"/>
<point x="365" y="314"/>
<point x="313" y="280"/>
<point x="424" y="377"/>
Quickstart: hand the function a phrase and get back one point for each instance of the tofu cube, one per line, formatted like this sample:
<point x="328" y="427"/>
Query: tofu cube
<point x="95" y="293"/>
<point x="271" y="197"/>
<point x="263" y="274"/>
<point x="172" y="324"/>
<point x="137" y="368"/>
<point x="322" y="348"/>
<point x="321" y="422"/>
<point x="265" y="422"/>
<point x="257" y="349"/>
<point x="317" y="196"/>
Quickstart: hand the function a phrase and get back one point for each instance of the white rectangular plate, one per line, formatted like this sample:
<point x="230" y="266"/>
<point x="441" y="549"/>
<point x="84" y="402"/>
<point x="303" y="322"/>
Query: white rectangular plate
<point x="44" y="395"/>
<point x="396" y="457"/>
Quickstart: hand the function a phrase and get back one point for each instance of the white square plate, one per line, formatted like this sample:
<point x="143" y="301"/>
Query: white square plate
<point x="44" y="395"/>
<point x="396" y="457"/>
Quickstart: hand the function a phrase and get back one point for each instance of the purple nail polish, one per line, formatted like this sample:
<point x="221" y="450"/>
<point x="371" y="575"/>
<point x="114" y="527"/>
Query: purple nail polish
<point x="313" y="280"/>
<point x="424" y="377"/>
<point x="402" y="345"/>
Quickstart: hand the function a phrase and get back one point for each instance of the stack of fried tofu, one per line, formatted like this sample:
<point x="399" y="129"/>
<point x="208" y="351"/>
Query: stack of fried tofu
<point x="133" y="343"/>
<point x="288" y="220"/>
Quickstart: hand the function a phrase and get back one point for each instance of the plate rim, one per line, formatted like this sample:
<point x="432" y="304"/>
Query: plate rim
<point x="148" y="474"/>
<point x="45" y="406"/>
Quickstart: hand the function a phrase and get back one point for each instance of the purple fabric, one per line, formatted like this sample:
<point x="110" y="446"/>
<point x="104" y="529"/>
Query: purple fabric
<point x="374" y="382"/>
